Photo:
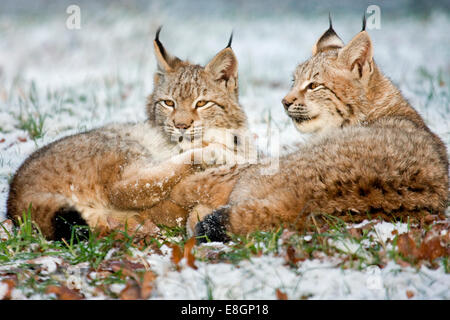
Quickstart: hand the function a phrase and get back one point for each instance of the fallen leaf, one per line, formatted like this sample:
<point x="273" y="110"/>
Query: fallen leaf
<point x="127" y="267"/>
<point x="431" y="249"/>
<point x="148" y="228"/>
<point x="64" y="293"/>
<point x="290" y="255"/>
<point x="131" y="291"/>
<point x="190" y="259"/>
<point x="21" y="139"/>
<point x="407" y="246"/>
<point x="147" y="284"/>
<point x="281" y="295"/>
<point x="409" y="294"/>
<point x="177" y="255"/>
<point x="11" y="283"/>
<point x="355" y="232"/>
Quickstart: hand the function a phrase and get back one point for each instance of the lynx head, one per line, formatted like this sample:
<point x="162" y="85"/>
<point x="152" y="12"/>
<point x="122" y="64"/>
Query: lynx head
<point x="189" y="99"/>
<point x="331" y="89"/>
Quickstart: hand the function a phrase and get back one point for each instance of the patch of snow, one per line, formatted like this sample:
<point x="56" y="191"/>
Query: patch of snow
<point x="383" y="230"/>
<point x="48" y="264"/>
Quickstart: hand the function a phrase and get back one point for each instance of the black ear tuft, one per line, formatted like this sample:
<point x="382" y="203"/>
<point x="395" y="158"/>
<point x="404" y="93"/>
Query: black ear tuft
<point x="328" y="40"/>
<point x="157" y="33"/>
<point x="364" y="22"/>
<point x="160" y="46"/>
<point x="231" y="40"/>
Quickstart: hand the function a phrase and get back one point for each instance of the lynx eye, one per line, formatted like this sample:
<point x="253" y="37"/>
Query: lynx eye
<point x="313" y="85"/>
<point x="169" y="103"/>
<point x="200" y="103"/>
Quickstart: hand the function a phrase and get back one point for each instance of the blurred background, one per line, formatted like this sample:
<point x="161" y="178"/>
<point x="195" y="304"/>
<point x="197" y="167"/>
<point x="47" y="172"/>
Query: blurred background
<point x="55" y="80"/>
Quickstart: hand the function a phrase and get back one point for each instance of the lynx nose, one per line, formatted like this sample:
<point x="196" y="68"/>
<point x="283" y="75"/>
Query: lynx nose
<point x="286" y="103"/>
<point x="182" y="125"/>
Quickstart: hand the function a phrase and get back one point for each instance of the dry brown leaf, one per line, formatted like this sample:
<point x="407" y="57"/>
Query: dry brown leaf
<point x="64" y="293"/>
<point x="11" y="283"/>
<point x="127" y="267"/>
<point x="148" y="228"/>
<point x="407" y="246"/>
<point x="409" y="294"/>
<point x="190" y="259"/>
<point x="131" y="291"/>
<point x="177" y="255"/>
<point x="147" y="284"/>
<point x="290" y="255"/>
<point x="431" y="249"/>
<point x="355" y="232"/>
<point x="281" y="295"/>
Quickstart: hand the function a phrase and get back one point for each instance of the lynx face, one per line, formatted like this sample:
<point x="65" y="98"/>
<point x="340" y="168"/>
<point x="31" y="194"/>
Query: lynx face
<point x="188" y="100"/>
<point x="330" y="89"/>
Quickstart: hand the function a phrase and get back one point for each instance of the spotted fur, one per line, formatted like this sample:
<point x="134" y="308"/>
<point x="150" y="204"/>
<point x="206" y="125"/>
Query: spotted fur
<point x="123" y="172"/>
<point x="372" y="154"/>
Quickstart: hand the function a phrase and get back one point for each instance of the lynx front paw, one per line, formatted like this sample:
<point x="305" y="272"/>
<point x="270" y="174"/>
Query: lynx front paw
<point x="213" y="227"/>
<point x="215" y="154"/>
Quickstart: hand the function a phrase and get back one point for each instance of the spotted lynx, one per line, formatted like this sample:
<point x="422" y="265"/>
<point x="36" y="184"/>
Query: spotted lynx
<point x="120" y="173"/>
<point x="372" y="154"/>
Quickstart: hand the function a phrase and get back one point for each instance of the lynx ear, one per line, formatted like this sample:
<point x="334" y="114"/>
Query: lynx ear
<point x="329" y="40"/>
<point x="166" y="62"/>
<point x="358" y="53"/>
<point x="224" y="65"/>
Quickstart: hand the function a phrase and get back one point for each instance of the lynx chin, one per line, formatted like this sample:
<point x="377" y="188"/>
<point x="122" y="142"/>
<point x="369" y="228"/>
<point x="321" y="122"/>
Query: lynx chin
<point x="371" y="155"/>
<point x="122" y="173"/>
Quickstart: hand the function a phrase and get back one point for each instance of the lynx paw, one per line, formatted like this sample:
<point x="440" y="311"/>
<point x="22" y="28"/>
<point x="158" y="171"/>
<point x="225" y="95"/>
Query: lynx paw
<point x="215" y="154"/>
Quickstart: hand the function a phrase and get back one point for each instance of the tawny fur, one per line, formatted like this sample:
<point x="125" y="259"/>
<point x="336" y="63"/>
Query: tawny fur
<point x="124" y="172"/>
<point x="372" y="154"/>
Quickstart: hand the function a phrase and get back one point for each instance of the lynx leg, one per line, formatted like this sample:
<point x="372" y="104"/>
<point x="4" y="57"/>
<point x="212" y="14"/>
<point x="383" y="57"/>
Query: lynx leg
<point x="132" y="225"/>
<point x="142" y="187"/>
<point x="247" y="216"/>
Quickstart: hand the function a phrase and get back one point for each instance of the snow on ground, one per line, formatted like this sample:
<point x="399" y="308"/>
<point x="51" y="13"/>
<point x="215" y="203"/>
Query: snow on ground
<point x="73" y="80"/>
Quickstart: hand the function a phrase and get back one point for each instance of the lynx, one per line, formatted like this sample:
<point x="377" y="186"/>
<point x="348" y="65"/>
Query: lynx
<point x="372" y="155"/>
<point x="120" y="173"/>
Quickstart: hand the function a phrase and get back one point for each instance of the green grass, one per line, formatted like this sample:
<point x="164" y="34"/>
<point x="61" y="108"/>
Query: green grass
<point x="25" y="242"/>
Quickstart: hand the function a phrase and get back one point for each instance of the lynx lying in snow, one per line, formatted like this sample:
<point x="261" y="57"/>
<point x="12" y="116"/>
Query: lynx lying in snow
<point x="121" y="172"/>
<point x="373" y="154"/>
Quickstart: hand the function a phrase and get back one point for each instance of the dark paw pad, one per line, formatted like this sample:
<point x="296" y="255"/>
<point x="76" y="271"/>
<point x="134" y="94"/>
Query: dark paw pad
<point x="213" y="227"/>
